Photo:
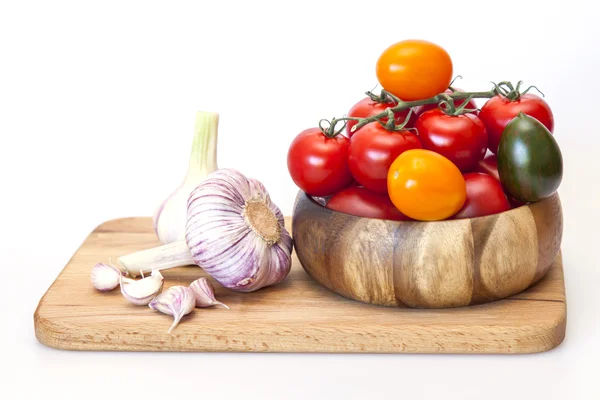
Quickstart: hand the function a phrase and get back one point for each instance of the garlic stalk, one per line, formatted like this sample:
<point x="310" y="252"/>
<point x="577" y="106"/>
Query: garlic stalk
<point x="204" y="292"/>
<point x="234" y="232"/>
<point x="177" y="301"/>
<point x="170" y="218"/>
<point x="106" y="277"/>
<point x="142" y="291"/>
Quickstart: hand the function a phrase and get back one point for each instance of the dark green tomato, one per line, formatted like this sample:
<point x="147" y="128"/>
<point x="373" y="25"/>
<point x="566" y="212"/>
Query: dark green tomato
<point x="529" y="160"/>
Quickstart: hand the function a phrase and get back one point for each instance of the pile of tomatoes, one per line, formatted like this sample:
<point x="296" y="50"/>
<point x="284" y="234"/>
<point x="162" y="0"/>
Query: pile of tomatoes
<point x="432" y="162"/>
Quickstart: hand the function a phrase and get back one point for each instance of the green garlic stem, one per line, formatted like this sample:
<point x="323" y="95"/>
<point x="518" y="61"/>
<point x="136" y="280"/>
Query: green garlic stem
<point x="203" y="158"/>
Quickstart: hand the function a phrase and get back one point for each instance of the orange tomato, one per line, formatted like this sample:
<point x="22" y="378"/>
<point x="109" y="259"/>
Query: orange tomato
<point x="426" y="186"/>
<point x="414" y="69"/>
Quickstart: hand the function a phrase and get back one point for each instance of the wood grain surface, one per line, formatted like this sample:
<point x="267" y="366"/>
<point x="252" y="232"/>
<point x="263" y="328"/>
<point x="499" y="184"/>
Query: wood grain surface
<point x="297" y="315"/>
<point x="437" y="264"/>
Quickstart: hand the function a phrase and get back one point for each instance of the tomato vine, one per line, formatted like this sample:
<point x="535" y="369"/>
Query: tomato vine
<point x="505" y="89"/>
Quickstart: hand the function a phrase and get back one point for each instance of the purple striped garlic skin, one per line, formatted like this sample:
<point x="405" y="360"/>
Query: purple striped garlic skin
<point x="177" y="301"/>
<point x="241" y="251"/>
<point x="204" y="292"/>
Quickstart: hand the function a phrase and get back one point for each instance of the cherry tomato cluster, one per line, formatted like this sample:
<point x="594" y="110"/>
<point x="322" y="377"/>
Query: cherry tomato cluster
<point x="422" y="150"/>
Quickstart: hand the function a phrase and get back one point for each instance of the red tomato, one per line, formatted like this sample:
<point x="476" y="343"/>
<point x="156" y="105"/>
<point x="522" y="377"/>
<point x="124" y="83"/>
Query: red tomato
<point x="318" y="164"/>
<point x="489" y="165"/>
<point x="461" y="139"/>
<point x="353" y="183"/>
<point x="373" y="149"/>
<point x="485" y="196"/>
<point x="498" y="111"/>
<point x="426" y="107"/>
<point x="367" y="107"/>
<point x="362" y="202"/>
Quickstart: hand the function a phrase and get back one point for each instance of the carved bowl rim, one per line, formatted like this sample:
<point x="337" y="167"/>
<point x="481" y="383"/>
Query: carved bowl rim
<point x="448" y="220"/>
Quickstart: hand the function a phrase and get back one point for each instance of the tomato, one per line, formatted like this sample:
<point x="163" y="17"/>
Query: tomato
<point x="373" y="149"/>
<point x="485" y="196"/>
<point x="426" y="107"/>
<point x="414" y="69"/>
<point x="515" y="203"/>
<point x="498" y="111"/>
<point x="426" y="186"/>
<point x="362" y="202"/>
<point x="319" y="164"/>
<point x="530" y="162"/>
<point x="353" y="183"/>
<point x="489" y="165"/>
<point x="367" y="107"/>
<point x="462" y="139"/>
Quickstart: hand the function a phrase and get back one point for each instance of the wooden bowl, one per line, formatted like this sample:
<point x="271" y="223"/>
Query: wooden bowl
<point x="438" y="264"/>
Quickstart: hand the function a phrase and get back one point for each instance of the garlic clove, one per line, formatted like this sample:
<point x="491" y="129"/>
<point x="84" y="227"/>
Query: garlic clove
<point x="141" y="292"/>
<point x="204" y="293"/>
<point x="176" y="301"/>
<point x="106" y="277"/>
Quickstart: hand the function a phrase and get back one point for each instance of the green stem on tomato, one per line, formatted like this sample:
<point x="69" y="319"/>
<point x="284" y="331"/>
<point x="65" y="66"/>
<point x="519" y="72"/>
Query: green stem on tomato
<point x="330" y="131"/>
<point x="383" y="98"/>
<point x="449" y="108"/>
<point x="391" y="123"/>
<point x="403" y="105"/>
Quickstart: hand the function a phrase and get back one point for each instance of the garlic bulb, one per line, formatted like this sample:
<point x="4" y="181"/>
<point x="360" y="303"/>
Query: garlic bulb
<point x="170" y="218"/>
<point x="177" y="301"/>
<point x="204" y="292"/>
<point x="142" y="291"/>
<point x="234" y="232"/>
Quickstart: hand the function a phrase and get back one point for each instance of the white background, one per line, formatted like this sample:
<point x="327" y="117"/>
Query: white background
<point x="97" y="106"/>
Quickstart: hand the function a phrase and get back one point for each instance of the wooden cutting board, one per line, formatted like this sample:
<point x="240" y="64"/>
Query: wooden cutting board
<point x="297" y="315"/>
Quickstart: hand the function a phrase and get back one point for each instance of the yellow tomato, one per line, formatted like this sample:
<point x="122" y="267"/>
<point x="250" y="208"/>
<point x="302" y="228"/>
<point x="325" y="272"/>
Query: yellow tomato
<point x="414" y="69"/>
<point x="426" y="186"/>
